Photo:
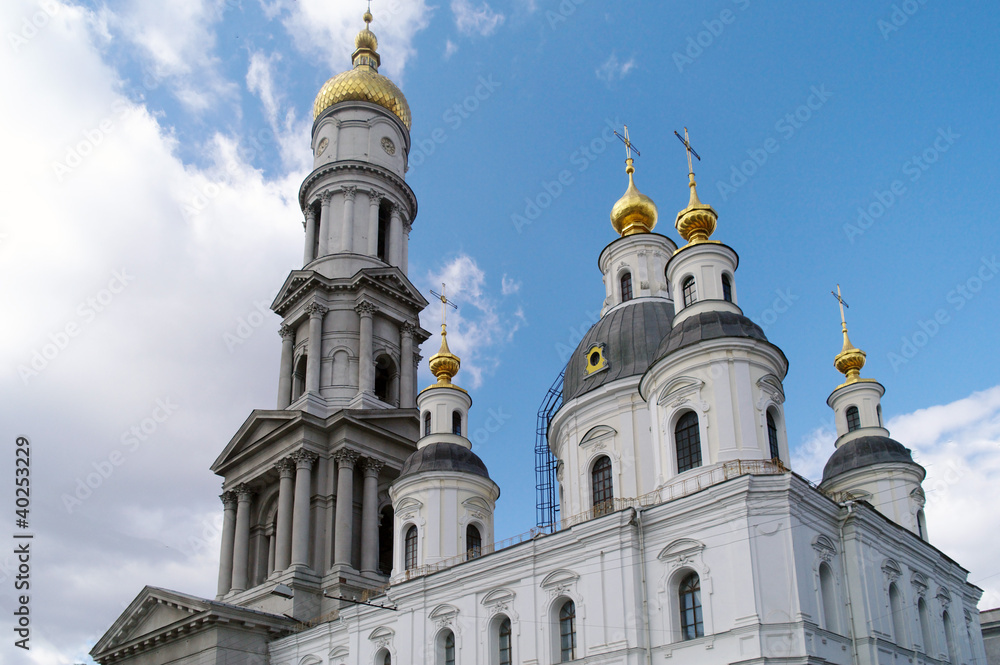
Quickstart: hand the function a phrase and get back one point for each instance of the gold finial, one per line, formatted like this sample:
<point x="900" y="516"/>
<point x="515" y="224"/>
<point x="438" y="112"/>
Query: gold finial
<point x="697" y="222"/>
<point x="366" y="44"/>
<point x="444" y="364"/>
<point x="851" y="359"/>
<point x="634" y="212"/>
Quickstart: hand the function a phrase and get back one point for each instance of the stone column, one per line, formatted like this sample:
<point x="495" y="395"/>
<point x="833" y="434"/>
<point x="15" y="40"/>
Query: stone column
<point x="405" y="261"/>
<point x="347" y="230"/>
<point x="395" y="236"/>
<point x="315" y="348"/>
<point x="310" y="252"/>
<point x="374" y="201"/>
<point x="369" y="517"/>
<point x="283" y="532"/>
<point x="285" y="373"/>
<point x="406" y="368"/>
<point x="241" y="549"/>
<point x="304" y="460"/>
<point x="228" y="542"/>
<point x="343" y="543"/>
<point x="366" y="362"/>
<point x="324" y="223"/>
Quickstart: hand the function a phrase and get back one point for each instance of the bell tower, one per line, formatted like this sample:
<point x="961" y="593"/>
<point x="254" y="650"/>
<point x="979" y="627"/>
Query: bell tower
<point x="307" y="514"/>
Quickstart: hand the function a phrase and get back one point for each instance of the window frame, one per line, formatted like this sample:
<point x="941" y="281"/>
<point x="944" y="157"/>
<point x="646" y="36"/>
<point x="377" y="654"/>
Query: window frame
<point x="727" y="288"/>
<point x="772" y="436"/>
<point x="410" y="557"/>
<point x="692" y="619"/>
<point x="602" y="489"/>
<point x="689" y="291"/>
<point x="853" y="416"/>
<point x="473" y="546"/>
<point x="427" y="423"/>
<point x="456" y="422"/>
<point x="691" y="453"/>
<point x="502" y="658"/>
<point x="625" y="286"/>
<point x="567" y="629"/>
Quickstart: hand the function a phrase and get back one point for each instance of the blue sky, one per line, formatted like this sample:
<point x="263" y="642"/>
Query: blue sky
<point x="805" y="115"/>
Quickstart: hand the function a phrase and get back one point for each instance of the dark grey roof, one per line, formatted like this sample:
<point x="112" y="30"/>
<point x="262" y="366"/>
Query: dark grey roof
<point x="865" y="451"/>
<point x="708" y="325"/>
<point x="444" y="457"/>
<point x="630" y="335"/>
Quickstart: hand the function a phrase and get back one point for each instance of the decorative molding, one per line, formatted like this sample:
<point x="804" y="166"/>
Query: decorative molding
<point x="381" y="638"/>
<point x="644" y="284"/>
<point x="366" y="308"/>
<point x="388" y="146"/>
<point x="560" y="583"/>
<point x="315" y="309"/>
<point x="943" y="597"/>
<point x="375" y="197"/>
<point x="325" y="196"/>
<point x="499" y="600"/>
<point x="406" y="329"/>
<point x="285" y="467"/>
<point x="244" y="492"/>
<point x="919" y="583"/>
<point x="304" y="459"/>
<point x="683" y="390"/>
<point x="444" y="616"/>
<point x="598" y="436"/>
<point x="346" y="457"/>
<point x="350" y="192"/>
<point x="286" y="331"/>
<point x="891" y="570"/>
<point x="228" y="499"/>
<point x="683" y="552"/>
<point x="372" y="466"/>
<point x="770" y="388"/>
<point x="407" y="226"/>
<point x="825" y="548"/>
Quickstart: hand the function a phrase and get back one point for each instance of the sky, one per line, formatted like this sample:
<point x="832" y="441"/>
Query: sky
<point x="149" y="215"/>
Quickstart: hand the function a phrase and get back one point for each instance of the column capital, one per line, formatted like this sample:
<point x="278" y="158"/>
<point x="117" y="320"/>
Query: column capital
<point x="350" y="192"/>
<point x="345" y="457"/>
<point x="372" y="467"/>
<point x="395" y="209"/>
<point x="309" y="213"/>
<point x="365" y="308"/>
<point x="285" y="467"/>
<point x="286" y="332"/>
<point x="316" y="310"/>
<point x="407" y="225"/>
<point x="407" y="329"/>
<point x="325" y="196"/>
<point x="417" y="358"/>
<point x="303" y="459"/>
<point x="244" y="492"/>
<point x="228" y="499"/>
<point x="375" y="197"/>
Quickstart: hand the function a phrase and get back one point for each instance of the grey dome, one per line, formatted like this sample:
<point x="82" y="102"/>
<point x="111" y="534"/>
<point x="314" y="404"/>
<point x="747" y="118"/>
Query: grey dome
<point x="444" y="457"/>
<point x="865" y="451"/>
<point x="630" y="335"/>
<point x="708" y="325"/>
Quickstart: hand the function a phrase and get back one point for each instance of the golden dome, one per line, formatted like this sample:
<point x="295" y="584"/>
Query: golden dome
<point x="444" y="364"/>
<point x="696" y="222"/>
<point x="364" y="83"/>
<point x="850" y="360"/>
<point x="634" y="212"/>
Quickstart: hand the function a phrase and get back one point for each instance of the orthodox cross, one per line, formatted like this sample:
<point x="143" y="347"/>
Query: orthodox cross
<point x="629" y="147"/>
<point x="843" y="304"/>
<point x="687" y="146"/>
<point x="445" y="303"/>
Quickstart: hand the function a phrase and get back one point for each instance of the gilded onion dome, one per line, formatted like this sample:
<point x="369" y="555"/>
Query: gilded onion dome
<point x="634" y="212"/>
<point x="697" y="222"/>
<point x="445" y="364"/>
<point x="363" y="83"/>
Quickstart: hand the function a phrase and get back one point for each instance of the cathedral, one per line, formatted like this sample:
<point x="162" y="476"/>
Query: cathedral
<point x="358" y="521"/>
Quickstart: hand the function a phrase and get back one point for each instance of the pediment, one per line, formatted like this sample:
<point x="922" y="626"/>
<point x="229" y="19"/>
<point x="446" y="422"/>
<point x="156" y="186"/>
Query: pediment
<point x="259" y="426"/>
<point x="311" y="660"/>
<point x="771" y="386"/>
<point x="596" y="433"/>
<point x="680" y="388"/>
<point x="407" y="505"/>
<point x="475" y="504"/>
<point x="498" y="597"/>
<point x="559" y="578"/>
<point x="339" y="653"/>
<point x="381" y="633"/>
<point x="683" y="548"/>
<point x="443" y="611"/>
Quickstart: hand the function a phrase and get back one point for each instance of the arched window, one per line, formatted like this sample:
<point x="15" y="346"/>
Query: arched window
<point x="299" y="377"/>
<point x="925" y="626"/>
<point x="504" y="652"/>
<point x="921" y="525"/>
<point x="602" y="487"/>
<point x="473" y="542"/>
<point x="828" y="594"/>
<point x="688" y="441"/>
<point x="949" y="638"/>
<point x="410" y="549"/>
<point x="384" y="214"/>
<point x="385" y="379"/>
<point x="626" y="282"/>
<point x="448" y="648"/>
<point x="898" y="617"/>
<point x="772" y="437"/>
<point x="385" y="534"/>
<point x="456" y="423"/>
<point x="727" y="289"/>
<point x="384" y="658"/>
<point x="567" y="632"/>
<point x="689" y="595"/>
<point x="853" y="418"/>
<point x="427" y="423"/>
<point x="689" y="292"/>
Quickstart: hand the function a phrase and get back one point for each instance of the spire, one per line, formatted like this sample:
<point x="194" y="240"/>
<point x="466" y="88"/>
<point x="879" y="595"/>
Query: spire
<point x="634" y="212"/>
<point x="851" y="359"/>
<point x="366" y="45"/>
<point x="444" y="364"/>
<point x="697" y="222"/>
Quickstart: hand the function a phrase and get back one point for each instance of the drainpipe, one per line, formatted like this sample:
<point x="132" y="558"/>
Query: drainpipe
<point x="843" y="564"/>
<point x="645" y="595"/>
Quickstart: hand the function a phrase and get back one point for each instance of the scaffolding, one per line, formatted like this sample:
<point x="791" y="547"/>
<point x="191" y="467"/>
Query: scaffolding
<point x="546" y="485"/>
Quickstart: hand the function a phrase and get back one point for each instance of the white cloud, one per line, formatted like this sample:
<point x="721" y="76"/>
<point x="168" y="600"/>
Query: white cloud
<point x="481" y="19"/>
<point x="509" y="285"/>
<point x="478" y="328"/>
<point x="290" y="133"/>
<point x="450" y="49"/>
<point x="326" y="30"/>
<point x="613" y="69"/>
<point x="959" y="445"/>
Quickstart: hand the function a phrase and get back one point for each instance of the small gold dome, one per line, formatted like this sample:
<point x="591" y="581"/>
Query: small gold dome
<point x="850" y="360"/>
<point x="697" y="222"/>
<point x="364" y="83"/>
<point x="444" y="364"/>
<point x="634" y="212"/>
